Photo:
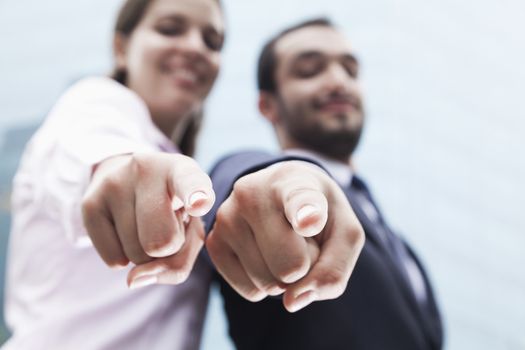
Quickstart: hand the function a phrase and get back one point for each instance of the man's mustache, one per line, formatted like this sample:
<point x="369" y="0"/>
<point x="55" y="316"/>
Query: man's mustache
<point x="342" y="98"/>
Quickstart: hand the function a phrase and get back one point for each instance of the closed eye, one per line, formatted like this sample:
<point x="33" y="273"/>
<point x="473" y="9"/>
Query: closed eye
<point x="351" y="65"/>
<point x="212" y="39"/>
<point x="309" y="64"/>
<point x="172" y="26"/>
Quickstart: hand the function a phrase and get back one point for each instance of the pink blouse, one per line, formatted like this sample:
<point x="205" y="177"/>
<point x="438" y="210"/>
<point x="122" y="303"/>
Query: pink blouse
<point x="60" y="295"/>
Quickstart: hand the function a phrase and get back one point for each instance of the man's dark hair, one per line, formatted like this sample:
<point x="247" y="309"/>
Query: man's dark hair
<point x="267" y="59"/>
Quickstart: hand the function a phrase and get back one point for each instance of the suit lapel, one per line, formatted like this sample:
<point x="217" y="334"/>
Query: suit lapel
<point x="368" y="226"/>
<point x="431" y="318"/>
<point x="391" y="263"/>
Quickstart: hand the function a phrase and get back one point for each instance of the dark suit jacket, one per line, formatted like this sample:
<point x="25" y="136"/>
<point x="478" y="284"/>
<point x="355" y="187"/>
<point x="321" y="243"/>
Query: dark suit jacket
<point x="378" y="310"/>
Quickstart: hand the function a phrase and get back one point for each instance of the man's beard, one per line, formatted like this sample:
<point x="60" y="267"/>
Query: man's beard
<point x="337" y="143"/>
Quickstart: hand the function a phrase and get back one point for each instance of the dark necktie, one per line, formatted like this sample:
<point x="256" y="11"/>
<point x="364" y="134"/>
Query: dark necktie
<point x="393" y="244"/>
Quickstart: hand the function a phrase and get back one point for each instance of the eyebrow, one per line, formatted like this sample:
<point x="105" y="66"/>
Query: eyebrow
<point x="172" y="17"/>
<point x="178" y="17"/>
<point x="306" y="55"/>
<point x="314" y="53"/>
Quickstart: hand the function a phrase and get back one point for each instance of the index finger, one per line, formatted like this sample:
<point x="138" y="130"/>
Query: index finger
<point x="300" y="188"/>
<point x="191" y="185"/>
<point x="305" y="207"/>
<point x="328" y="278"/>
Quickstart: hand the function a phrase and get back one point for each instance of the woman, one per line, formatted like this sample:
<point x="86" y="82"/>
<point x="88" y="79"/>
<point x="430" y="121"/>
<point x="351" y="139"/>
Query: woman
<point x="105" y="151"/>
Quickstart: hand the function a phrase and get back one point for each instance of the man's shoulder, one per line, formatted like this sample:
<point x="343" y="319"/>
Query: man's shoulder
<point x="243" y="158"/>
<point x="246" y="154"/>
<point x="237" y="164"/>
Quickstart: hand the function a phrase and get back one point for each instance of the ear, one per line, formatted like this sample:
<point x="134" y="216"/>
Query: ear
<point x="268" y="107"/>
<point x="120" y="47"/>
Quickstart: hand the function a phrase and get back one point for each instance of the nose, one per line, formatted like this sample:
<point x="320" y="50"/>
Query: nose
<point x="193" y="43"/>
<point x="339" y="80"/>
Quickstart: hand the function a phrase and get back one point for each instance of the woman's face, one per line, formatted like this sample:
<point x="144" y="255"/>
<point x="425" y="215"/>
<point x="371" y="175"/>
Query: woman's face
<point x="172" y="57"/>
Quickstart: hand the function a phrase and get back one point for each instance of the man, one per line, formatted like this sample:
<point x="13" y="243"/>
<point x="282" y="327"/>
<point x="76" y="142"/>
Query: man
<point x="309" y="91"/>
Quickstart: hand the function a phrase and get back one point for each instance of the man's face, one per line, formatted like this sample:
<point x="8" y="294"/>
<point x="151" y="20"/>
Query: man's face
<point x="318" y="97"/>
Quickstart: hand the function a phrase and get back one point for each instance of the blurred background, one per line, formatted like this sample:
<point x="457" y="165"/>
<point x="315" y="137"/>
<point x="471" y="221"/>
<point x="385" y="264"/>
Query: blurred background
<point x="443" y="149"/>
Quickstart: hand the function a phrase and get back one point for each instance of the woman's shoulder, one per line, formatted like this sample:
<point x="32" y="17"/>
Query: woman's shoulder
<point x="97" y="98"/>
<point x="100" y="88"/>
<point x="94" y="94"/>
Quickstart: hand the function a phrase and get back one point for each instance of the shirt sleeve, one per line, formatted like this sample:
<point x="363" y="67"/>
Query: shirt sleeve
<point x="84" y="128"/>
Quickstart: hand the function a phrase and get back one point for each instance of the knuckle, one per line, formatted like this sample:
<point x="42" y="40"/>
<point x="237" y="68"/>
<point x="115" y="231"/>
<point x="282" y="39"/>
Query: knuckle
<point x="184" y="270"/>
<point x="271" y="288"/>
<point x="356" y="236"/>
<point x="212" y="245"/>
<point x="89" y="206"/>
<point x="181" y="275"/>
<point x="223" y="223"/>
<point x="139" y="164"/>
<point x="219" y="239"/>
<point x="178" y="270"/>
<point x="112" y="184"/>
<point x="253" y="294"/>
<point x="360" y="237"/>
<point x="221" y="218"/>
<point x="245" y="195"/>
<point x="242" y="187"/>
<point x="137" y="256"/>
<point x="162" y="244"/>
<point x="184" y="166"/>
<point x="284" y="168"/>
<point x="293" y="268"/>
<point x="181" y="158"/>
<point x="334" y="281"/>
<point x="297" y="167"/>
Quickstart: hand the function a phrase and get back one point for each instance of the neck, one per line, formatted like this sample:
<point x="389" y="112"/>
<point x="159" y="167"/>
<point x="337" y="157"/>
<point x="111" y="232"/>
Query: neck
<point x="341" y="160"/>
<point x="292" y="144"/>
<point x="171" y="124"/>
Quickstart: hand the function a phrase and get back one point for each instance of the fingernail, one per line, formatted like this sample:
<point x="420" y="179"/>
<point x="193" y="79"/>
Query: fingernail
<point x="276" y="291"/>
<point x="294" y="276"/>
<point x="185" y="218"/>
<point x="197" y="197"/>
<point x="176" y="203"/>
<point x="305" y="212"/>
<point x="303" y="300"/>
<point x="143" y="281"/>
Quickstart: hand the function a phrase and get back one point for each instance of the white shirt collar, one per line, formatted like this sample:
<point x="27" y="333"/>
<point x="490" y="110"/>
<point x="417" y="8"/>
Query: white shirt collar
<point x="341" y="172"/>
